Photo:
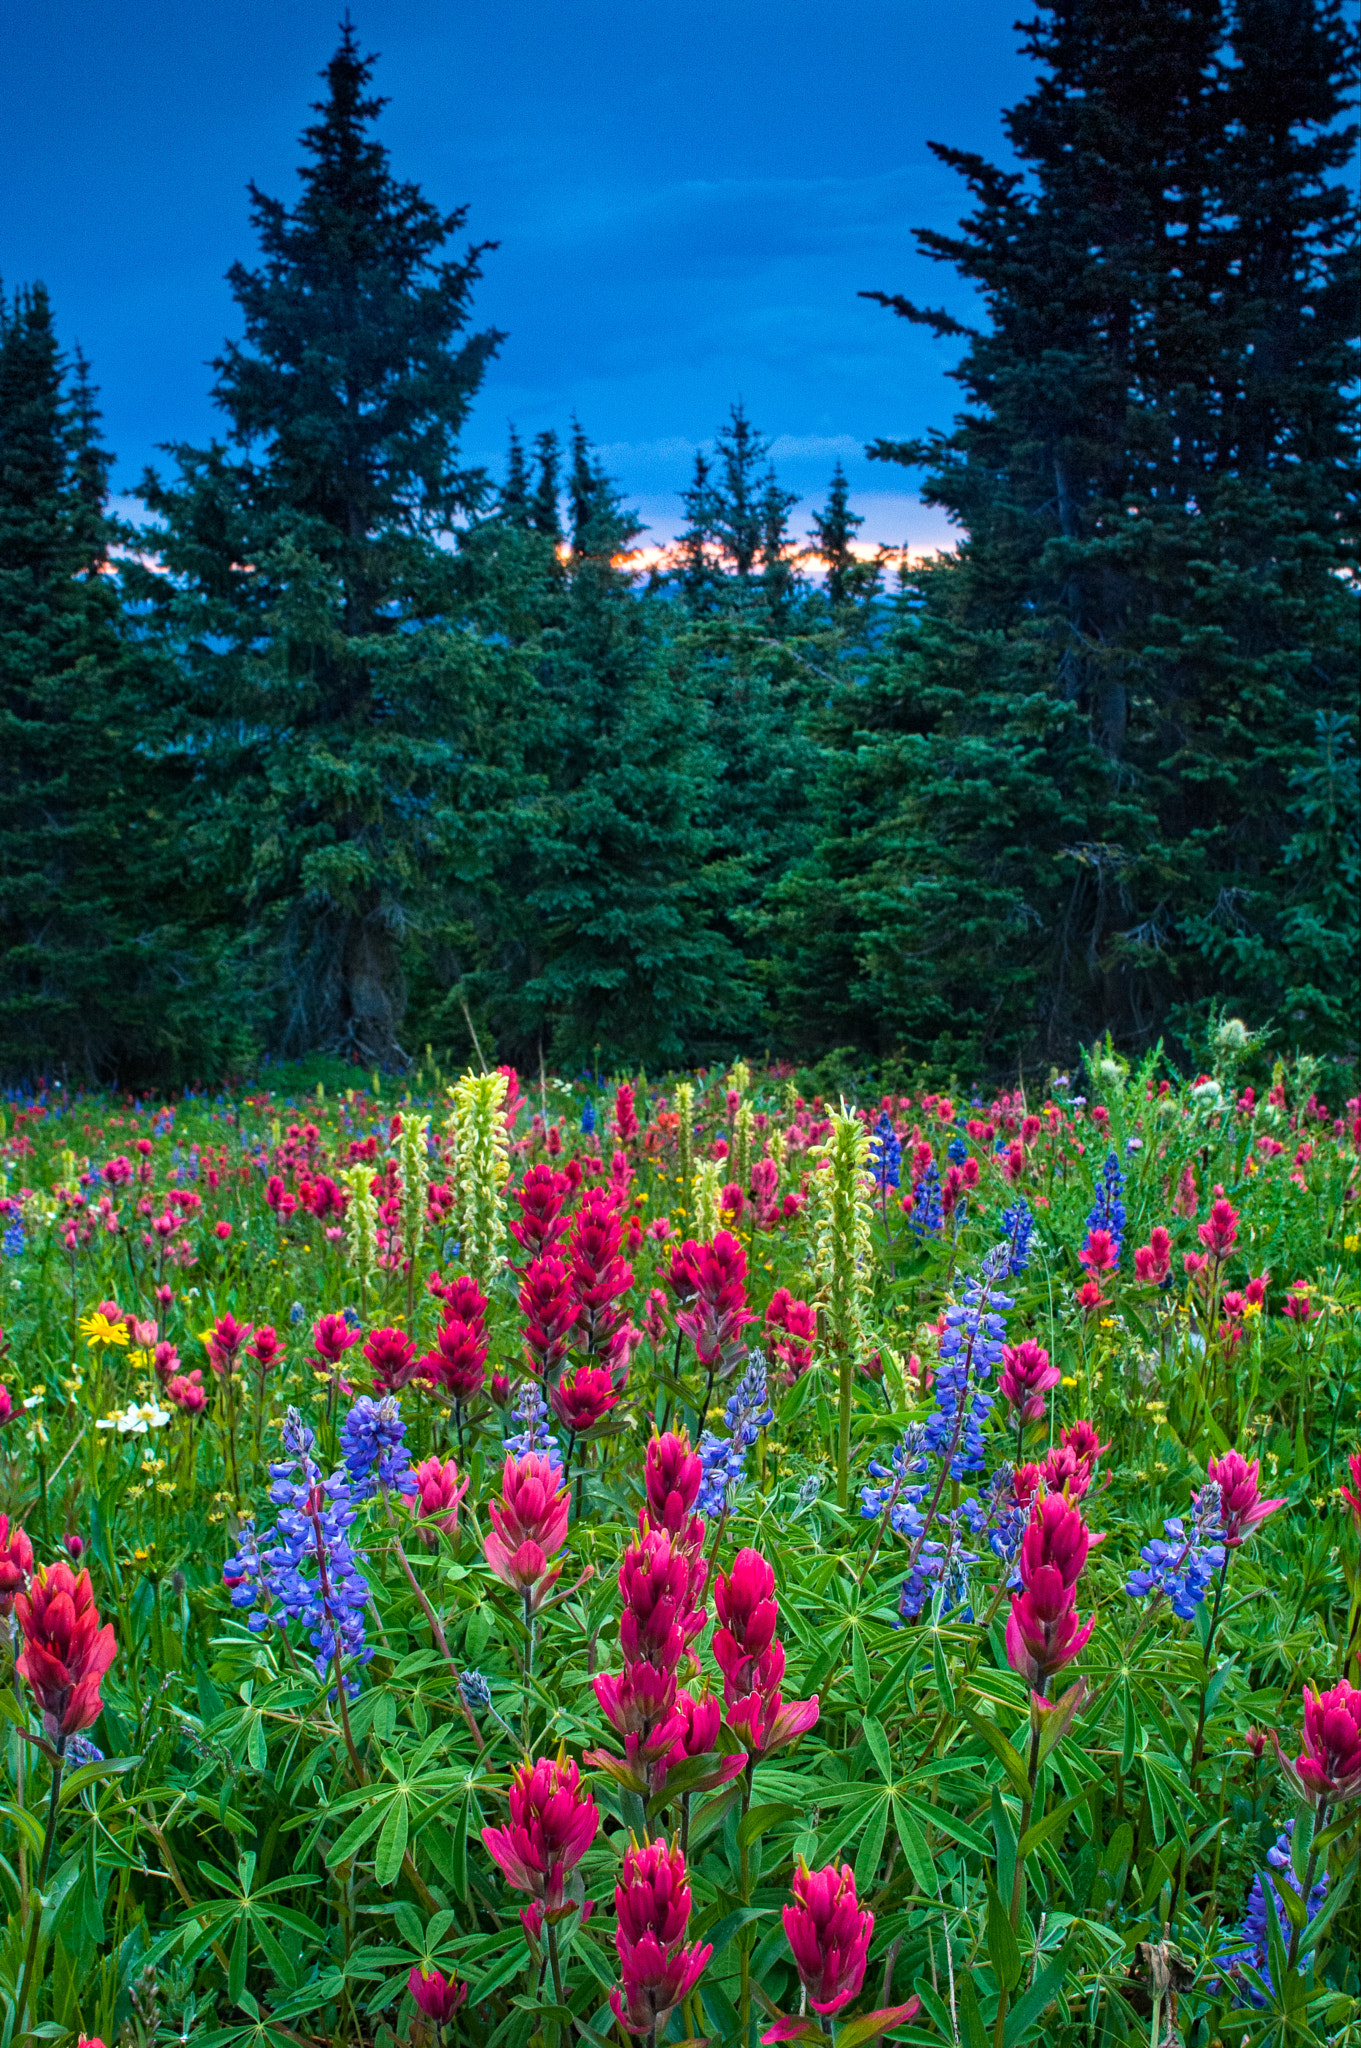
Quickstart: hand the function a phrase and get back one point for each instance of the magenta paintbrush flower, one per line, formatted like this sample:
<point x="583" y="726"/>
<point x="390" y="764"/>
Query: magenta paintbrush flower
<point x="1043" y="1631"/>
<point x="656" y="1968"/>
<point x="65" y="1652"/>
<point x="751" y="1658"/>
<point x="553" y="1823"/>
<point x="16" y="1563"/>
<point x="1354" y="1499"/>
<point x="438" y="1497"/>
<point x="437" y="1996"/>
<point x="718" y="1312"/>
<point x="583" y="1398"/>
<point x="1328" y="1768"/>
<point x="529" y="1525"/>
<point x="829" y="1932"/>
<point x="1026" y="1378"/>
<point x="672" y="1476"/>
<point x="1241" y="1506"/>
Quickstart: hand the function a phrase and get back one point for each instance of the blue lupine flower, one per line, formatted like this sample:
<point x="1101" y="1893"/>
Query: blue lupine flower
<point x="1184" y="1566"/>
<point x="927" y="1214"/>
<point x="900" y="1490"/>
<point x="314" y="1574"/>
<point x="310" y="1572"/>
<point x="352" y="1317"/>
<point x="1018" y="1221"/>
<point x="532" y="1410"/>
<point x="13" y="1241"/>
<point x="1254" y="1930"/>
<point x="724" y="1459"/>
<point x="296" y="1313"/>
<point x="886" y="1154"/>
<point x="943" y="1562"/>
<point x="588" y="1117"/>
<point x="372" y="1442"/>
<point x="475" y="1690"/>
<point x="958" y="1151"/>
<point x="1108" y="1210"/>
<point x="971" y="1346"/>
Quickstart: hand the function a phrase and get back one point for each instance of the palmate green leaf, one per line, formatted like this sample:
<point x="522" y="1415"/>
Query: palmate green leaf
<point x="365" y="1824"/>
<point x="915" y="1848"/>
<point x="391" y="1845"/>
<point x="872" y="1845"/>
<point x="92" y="1774"/>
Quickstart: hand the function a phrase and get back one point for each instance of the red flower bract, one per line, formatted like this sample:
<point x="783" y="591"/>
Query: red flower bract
<point x="392" y="1355"/>
<point x="552" y="1825"/>
<point x="529" y="1524"/>
<point x="1026" y="1378"/>
<point x="657" y="1970"/>
<point x="437" y="1996"/>
<point x="1043" y="1631"/>
<point x="16" y="1563"/>
<point x="829" y="1932"/>
<point x="1241" y="1506"/>
<point x="438" y="1497"/>
<point x="584" y="1398"/>
<point x="1329" y="1766"/>
<point x="66" y="1652"/>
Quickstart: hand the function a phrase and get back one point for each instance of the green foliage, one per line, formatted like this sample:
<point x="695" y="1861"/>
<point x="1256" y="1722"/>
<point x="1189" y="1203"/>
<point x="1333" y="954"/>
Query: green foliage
<point x="260" y="1856"/>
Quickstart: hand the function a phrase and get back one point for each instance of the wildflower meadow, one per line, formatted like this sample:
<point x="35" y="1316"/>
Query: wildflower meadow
<point x="521" y="1562"/>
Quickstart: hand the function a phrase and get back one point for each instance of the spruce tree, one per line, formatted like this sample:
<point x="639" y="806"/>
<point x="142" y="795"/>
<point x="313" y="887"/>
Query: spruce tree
<point x="328" y="697"/>
<point x="1073" y="783"/>
<point x="99" y="981"/>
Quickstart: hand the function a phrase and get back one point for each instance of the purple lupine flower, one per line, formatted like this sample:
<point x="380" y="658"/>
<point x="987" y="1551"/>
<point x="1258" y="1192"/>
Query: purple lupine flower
<point x="372" y="1442"/>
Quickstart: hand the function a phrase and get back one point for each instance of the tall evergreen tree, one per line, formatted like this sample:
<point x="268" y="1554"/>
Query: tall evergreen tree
<point x="97" y="981"/>
<point x="327" y="733"/>
<point x="1073" y="786"/>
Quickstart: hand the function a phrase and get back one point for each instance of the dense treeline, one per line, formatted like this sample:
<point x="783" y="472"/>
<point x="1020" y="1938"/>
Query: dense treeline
<point x="351" y="747"/>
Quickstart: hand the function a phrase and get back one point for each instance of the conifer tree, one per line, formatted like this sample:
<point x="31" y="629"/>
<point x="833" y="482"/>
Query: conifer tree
<point x="98" y="980"/>
<point x="302" y="556"/>
<point x="1069" y="793"/>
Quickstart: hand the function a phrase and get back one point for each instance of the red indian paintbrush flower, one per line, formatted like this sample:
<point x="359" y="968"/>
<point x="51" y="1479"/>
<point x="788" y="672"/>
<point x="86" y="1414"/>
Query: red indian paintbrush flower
<point x="266" y="1347"/>
<point x="66" y="1652"/>
<point x="1153" y="1261"/>
<point x="551" y="1312"/>
<point x="553" y="1823"/>
<point x="584" y="1398"/>
<point x="437" y="1996"/>
<point x="542" y="1196"/>
<point x="529" y="1524"/>
<point x="829" y="1932"/>
<point x="392" y="1356"/>
<point x="186" y="1392"/>
<point x="751" y="1658"/>
<point x="332" y="1338"/>
<point x="1026" y="1378"/>
<point x="1220" y="1235"/>
<point x="672" y="1475"/>
<point x="226" y="1341"/>
<point x="1100" y="1254"/>
<point x="1043" y="1631"/>
<point x="1328" y="1768"/>
<point x="458" y="1364"/>
<point x="437" y="1499"/>
<point x="716" y="1316"/>
<point x="656" y="1968"/>
<point x="791" y="1330"/>
<point x="16" y="1563"/>
<point x="1241" y="1506"/>
<point x="600" y="1276"/>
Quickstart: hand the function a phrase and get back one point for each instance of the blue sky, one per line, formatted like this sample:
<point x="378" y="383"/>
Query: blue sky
<point x="687" y="199"/>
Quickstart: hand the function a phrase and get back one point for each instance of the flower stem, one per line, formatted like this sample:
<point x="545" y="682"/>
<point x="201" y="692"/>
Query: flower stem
<point x="1018" y="1876"/>
<point x="35" y="1900"/>
<point x="1307" y="1882"/>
